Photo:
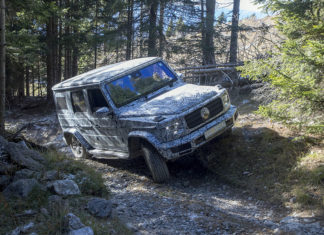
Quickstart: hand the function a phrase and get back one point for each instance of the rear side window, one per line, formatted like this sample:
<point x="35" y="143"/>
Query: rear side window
<point x="61" y="103"/>
<point x="96" y="100"/>
<point x="78" y="101"/>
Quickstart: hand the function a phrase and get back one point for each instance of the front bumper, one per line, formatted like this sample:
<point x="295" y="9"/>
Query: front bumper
<point x="189" y="143"/>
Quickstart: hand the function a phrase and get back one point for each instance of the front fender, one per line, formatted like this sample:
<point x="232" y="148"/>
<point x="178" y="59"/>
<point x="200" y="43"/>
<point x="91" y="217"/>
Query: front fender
<point x="146" y="136"/>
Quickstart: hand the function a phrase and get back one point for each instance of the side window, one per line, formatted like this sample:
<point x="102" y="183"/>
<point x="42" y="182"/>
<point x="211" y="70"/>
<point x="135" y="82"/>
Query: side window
<point x="96" y="100"/>
<point x="61" y="103"/>
<point x="78" y="102"/>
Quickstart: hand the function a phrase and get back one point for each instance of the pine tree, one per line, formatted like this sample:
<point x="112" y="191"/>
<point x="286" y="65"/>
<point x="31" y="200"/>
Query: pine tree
<point x="297" y="69"/>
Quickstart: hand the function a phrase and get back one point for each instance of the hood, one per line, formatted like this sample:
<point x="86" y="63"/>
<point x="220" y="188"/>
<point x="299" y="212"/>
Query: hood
<point x="172" y="102"/>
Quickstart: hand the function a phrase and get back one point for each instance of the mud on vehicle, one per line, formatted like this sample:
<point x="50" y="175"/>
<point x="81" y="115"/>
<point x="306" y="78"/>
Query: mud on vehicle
<point x="143" y="108"/>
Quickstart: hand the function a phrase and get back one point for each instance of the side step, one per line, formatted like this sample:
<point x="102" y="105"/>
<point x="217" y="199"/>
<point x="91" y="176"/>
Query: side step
<point x="109" y="154"/>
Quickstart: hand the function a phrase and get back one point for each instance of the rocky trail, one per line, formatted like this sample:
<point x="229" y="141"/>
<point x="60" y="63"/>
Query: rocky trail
<point x="195" y="201"/>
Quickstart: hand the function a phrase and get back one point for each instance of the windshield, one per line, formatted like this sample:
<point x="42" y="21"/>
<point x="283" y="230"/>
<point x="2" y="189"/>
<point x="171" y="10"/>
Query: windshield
<point x="144" y="81"/>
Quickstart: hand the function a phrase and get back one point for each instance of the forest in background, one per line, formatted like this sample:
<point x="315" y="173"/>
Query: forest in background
<point x="48" y="41"/>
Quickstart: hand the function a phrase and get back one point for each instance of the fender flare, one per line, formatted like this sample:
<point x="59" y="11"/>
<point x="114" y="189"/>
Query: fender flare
<point x="146" y="136"/>
<point x="79" y="137"/>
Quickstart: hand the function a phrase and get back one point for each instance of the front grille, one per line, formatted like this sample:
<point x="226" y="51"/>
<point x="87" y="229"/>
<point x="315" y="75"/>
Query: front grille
<point x="194" y="118"/>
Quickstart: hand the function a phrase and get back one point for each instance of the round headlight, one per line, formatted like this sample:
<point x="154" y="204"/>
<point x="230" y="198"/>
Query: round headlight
<point x="226" y="100"/>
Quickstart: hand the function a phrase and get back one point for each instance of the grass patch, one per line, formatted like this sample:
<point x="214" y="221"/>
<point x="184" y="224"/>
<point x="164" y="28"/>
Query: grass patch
<point x="10" y="209"/>
<point x="270" y="166"/>
<point x="89" y="180"/>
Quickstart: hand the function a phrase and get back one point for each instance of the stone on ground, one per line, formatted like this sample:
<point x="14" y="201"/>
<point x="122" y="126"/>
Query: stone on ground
<point x="20" y="188"/>
<point x="99" y="207"/>
<point x="65" y="187"/>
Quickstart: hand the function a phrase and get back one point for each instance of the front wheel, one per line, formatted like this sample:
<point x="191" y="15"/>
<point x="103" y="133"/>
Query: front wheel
<point x="156" y="164"/>
<point x="77" y="148"/>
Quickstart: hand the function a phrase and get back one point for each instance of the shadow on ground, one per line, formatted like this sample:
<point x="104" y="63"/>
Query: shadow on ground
<point x="256" y="160"/>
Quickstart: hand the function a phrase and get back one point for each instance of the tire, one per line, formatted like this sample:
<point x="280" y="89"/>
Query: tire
<point x="156" y="164"/>
<point x="77" y="148"/>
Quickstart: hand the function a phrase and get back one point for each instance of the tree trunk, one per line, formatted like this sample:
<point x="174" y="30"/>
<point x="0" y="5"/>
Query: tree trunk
<point x="202" y="27"/>
<point x="129" y="33"/>
<point x="2" y="66"/>
<point x="27" y="81"/>
<point x="235" y="20"/>
<point x="49" y="57"/>
<point x="39" y="80"/>
<point x="21" y="85"/>
<point x="75" y="57"/>
<point x="33" y="81"/>
<point x="161" y="25"/>
<point x="141" y="30"/>
<point x="67" y="46"/>
<point x="152" y="51"/>
<point x="95" y="36"/>
<point x="59" y="48"/>
<point x="209" y="50"/>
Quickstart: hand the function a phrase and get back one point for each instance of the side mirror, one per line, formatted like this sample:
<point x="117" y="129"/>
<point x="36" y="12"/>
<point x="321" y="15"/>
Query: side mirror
<point x="103" y="111"/>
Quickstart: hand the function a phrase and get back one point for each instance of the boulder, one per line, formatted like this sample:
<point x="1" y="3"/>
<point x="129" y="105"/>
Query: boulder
<point x="22" y="229"/>
<point x="25" y="157"/>
<point x="7" y="168"/>
<point x="71" y="222"/>
<point x="65" y="187"/>
<point x="72" y="225"/>
<point x="82" y="231"/>
<point x="26" y="174"/>
<point x="20" y="188"/>
<point x="99" y="207"/>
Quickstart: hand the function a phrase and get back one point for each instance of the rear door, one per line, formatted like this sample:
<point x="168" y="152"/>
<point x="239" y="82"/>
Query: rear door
<point x="80" y="115"/>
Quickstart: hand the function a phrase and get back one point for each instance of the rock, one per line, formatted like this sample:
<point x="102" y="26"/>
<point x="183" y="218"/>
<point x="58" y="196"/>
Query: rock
<point x="71" y="222"/>
<point x="20" y="188"/>
<point x="82" y="231"/>
<point x="99" y="207"/>
<point x="4" y="181"/>
<point x="25" y="157"/>
<point x="16" y="231"/>
<point x="22" y="229"/>
<point x="7" y="168"/>
<point x="293" y="200"/>
<point x="26" y="213"/>
<point x="26" y="228"/>
<point x="23" y="144"/>
<point x="25" y="174"/>
<point x="50" y="175"/>
<point x="65" y="187"/>
<point x="44" y="211"/>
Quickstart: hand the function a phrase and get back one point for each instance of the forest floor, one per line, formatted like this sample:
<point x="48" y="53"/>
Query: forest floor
<point x="263" y="179"/>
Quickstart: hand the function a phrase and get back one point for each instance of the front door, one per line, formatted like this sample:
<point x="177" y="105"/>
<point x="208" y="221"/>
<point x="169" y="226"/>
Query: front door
<point x="104" y="126"/>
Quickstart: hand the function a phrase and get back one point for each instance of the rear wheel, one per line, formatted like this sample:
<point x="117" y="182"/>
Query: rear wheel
<point x="77" y="148"/>
<point x="156" y="164"/>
